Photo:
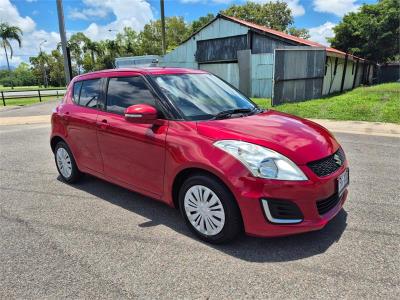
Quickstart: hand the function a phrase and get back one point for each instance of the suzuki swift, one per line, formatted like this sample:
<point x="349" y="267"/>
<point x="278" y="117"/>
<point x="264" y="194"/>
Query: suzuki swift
<point x="191" y="140"/>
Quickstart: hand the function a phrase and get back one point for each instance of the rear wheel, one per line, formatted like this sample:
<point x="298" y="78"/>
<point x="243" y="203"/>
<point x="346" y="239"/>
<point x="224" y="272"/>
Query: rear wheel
<point x="65" y="163"/>
<point x="209" y="209"/>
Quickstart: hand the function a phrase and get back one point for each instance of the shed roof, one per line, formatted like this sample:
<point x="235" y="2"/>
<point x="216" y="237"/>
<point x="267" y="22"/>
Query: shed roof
<point x="278" y="34"/>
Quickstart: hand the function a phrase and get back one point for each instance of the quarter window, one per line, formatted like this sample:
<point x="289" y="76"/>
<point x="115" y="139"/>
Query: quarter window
<point x="90" y="92"/>
<point x="77" y="90"/>
<point x="126" y="91"/>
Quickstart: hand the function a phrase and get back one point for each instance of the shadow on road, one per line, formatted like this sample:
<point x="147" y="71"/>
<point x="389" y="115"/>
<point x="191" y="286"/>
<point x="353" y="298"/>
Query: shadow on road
<point x="246" y="248"/>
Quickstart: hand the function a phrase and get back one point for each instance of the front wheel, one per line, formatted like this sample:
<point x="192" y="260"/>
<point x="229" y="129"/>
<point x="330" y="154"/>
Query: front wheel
<point x="209" y="209"/>
<point x="66" y="164"/>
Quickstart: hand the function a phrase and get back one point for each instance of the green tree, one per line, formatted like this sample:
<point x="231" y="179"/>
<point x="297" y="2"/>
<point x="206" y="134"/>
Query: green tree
<point x="299" y="32"/>
<point x="91" y="50"/>
<point x="76" y="43"/>
<point x="20" y="76"/>
<point x="276" y="15"/>
<point x="372" y="32"/>
<point x="24" y="75"/>
<point x="128" y="42"/>
<point x="56" y="69"/>
<point x="7" y="34"/>
<point x="196" y="25"/>
<point x="150" y="37"/>
<point x="40" y="68"/>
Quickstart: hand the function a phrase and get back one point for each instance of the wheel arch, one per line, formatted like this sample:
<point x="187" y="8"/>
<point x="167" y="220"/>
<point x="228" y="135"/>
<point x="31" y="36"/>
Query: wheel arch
<point x="191" y="171"/>
<point x="55" y="140"/>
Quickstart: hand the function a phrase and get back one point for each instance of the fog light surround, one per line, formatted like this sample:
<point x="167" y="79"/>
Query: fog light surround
<point x="268" y="215"/>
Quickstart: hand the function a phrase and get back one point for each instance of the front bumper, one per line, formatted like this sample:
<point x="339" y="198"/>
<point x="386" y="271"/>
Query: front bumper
<point x="304" y="194"/>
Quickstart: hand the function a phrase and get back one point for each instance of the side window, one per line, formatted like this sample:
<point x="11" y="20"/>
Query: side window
<point x="90" y="93"/>
<point x="126" y="91"/>
<point x="76" y="91"/>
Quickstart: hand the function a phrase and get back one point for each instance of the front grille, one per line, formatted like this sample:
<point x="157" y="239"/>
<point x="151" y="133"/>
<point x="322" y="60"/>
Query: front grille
<point x="328" y="165"/>
<point x="326" y="205"/>
<point x="283" y="209"/>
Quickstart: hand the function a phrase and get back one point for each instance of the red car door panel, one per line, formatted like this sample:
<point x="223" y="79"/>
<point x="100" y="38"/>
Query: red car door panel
<point x="133" y="153"/>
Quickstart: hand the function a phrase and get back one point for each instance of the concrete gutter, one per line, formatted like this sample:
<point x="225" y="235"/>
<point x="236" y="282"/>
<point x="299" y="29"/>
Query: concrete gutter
<point x="353" y="127"/>
<point x="24" y="120"/>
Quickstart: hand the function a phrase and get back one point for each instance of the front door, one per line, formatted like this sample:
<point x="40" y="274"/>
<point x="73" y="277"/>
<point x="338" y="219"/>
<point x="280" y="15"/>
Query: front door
<point x="132" y="153"/>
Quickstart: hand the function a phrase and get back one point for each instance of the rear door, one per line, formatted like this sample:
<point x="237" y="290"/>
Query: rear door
<point x="132" y="153"/>
<point x="81" y="117"/>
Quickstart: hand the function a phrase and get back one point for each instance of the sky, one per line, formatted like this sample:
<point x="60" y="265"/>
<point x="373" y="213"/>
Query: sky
<point x="39" y="22"/>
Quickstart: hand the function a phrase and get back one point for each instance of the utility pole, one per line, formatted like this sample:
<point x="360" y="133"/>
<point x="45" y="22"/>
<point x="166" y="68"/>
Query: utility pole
<point x="61" y="25"/>
<point x="162" y="26"/>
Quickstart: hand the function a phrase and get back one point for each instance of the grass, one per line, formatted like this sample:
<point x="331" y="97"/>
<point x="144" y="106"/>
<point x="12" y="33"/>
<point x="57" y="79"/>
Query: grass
<point x="379" y="103"/>
<point x="27" y="101"/>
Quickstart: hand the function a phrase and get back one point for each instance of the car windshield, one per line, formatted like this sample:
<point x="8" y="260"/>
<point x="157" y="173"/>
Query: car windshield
<point x="203" y="96"/>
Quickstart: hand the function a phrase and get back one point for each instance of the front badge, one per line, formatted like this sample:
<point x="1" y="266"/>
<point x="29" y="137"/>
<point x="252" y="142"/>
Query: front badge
<point x="337" y="159"/>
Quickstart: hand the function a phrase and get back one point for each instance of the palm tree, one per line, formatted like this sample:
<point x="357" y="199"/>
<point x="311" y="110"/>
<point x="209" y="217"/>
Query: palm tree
<point x="8" y="33"/>
<point x="94" y="49"/>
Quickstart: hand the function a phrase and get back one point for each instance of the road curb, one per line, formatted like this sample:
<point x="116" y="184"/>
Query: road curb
<point x="361" y="127"/>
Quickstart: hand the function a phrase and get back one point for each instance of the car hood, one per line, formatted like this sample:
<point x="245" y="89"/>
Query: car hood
<point x="300" y="140"/>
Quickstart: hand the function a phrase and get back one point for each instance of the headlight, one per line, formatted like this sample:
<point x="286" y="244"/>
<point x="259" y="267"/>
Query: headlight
<point x="262" y="162"/>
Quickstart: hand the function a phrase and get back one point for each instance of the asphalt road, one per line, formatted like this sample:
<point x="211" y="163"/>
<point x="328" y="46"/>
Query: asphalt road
<point x="36" y="109"/>
<point x="95" y="239"/>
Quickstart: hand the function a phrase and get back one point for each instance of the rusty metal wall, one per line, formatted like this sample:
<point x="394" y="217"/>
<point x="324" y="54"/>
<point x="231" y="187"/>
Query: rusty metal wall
<point x="298" y="74"/>
<point x="220" y="49"/>
<point x="266" y="44"/>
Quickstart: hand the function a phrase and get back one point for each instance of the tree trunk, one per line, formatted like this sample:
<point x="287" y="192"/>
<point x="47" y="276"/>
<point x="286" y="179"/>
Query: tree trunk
<point x="8" y="64"/>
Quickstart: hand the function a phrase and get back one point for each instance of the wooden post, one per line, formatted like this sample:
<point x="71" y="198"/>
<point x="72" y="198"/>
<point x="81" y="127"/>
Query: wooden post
<point x="40" y="97"/>
<point x="344" y="72"/>
<point x="2" y="97"/>
<point x="355" y="74"/>
<point x="57" y="94"/>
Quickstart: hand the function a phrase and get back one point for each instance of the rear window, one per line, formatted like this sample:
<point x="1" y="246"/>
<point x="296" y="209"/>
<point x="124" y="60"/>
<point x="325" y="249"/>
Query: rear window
<point x="87" y="92"/>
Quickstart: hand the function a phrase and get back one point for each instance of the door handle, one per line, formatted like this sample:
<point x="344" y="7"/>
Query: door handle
<point x="103" y="124"/>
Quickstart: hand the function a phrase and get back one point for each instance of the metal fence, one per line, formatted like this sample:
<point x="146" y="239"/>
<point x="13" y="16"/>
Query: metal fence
<point x="298" y="74"/>
<point x="23" y="94"/>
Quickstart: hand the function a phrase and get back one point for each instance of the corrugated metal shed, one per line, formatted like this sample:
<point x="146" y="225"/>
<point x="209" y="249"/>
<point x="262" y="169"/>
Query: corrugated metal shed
<point x="215" y="48"/>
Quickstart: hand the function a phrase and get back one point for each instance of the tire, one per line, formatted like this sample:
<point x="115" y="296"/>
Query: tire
<point x="66" y="164"/>
<point x="214" y="220"/>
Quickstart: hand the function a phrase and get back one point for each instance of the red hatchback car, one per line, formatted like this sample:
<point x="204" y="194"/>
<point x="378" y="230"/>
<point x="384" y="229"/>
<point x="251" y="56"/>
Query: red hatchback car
<point x="191" y="140"/>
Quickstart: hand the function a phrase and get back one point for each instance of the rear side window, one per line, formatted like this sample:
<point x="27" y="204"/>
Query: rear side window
<point x="126" y="91"/>
<point x="77" y="90"/>
<point x="90" y="93"/>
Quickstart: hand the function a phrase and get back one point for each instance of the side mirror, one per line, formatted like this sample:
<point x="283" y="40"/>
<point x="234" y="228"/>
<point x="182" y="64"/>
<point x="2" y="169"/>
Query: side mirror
<point x="141" y="113"/>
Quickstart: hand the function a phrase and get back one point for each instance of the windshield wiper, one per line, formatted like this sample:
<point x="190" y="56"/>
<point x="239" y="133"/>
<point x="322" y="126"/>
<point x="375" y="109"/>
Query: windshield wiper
<point x="227" y="113"/>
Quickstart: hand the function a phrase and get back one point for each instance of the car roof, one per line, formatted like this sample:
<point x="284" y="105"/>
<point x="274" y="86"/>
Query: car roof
<point x="144" y="71"/>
